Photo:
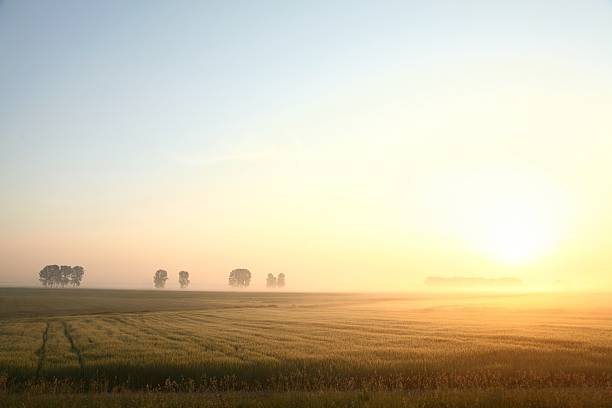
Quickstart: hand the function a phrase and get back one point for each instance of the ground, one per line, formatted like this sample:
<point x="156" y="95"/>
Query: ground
<point x="78" y="347"/>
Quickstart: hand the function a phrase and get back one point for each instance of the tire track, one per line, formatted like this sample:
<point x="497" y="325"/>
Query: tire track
<point x="74" y="348"/>
<point x="42" y="351"/>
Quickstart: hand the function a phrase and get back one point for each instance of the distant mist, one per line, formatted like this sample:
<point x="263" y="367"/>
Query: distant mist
<point x="478" y="282"/>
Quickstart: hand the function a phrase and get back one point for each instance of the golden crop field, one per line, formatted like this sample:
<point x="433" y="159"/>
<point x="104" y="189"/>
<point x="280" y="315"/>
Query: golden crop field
<point x="189" y="345"/>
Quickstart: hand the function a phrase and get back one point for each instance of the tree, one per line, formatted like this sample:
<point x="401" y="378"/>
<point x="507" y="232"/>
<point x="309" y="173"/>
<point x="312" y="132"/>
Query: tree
<point x="184" y="279"/>
<point x="240" y="278"/>
<point x="65" y="275"/>
<point x="56" y="275"/>
<point x="160" y="278"/>
<point x="77" y="276"/>
<point x="281" y="280"/>
<point x="48" y="275"/>
<point x="271" y="281"/>
<point x="43" y="276"/>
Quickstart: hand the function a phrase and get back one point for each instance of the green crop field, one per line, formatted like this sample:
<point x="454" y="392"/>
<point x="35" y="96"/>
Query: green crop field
<point x="168" y="348"/>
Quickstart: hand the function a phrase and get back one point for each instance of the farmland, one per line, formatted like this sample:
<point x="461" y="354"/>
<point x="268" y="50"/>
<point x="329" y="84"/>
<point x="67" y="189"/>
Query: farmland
<point x="277" y="349"/>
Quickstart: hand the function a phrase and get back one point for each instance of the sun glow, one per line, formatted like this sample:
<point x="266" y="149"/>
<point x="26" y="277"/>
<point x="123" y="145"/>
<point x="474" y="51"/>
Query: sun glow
<point x="514" y="232"/>
<point x="511" y="217"/>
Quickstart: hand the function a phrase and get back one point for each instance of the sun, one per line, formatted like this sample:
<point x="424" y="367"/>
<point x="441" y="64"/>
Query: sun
<point x="509" y="217"/>
<point x="514" y="231"/>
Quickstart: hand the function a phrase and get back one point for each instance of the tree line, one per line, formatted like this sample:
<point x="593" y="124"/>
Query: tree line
<point x="238" y="278"/>
<point x="61" y="276"/>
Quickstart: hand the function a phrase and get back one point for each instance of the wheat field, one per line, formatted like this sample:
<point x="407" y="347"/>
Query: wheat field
<point x="189" y="345"/>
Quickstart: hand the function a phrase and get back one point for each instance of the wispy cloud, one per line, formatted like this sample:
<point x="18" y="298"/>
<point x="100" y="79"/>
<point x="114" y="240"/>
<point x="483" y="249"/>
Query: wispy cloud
<point x="203" y="160"/>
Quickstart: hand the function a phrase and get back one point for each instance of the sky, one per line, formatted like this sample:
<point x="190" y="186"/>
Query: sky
<point x="352" y="145"/>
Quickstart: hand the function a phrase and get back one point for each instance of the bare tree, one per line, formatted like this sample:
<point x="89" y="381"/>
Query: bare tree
<point x="160" y="278"/>
<point x="184" y="279"/>
<point x="240" y="278"/>
<point x="281" y="280"/>
<point x="271" y="281"/>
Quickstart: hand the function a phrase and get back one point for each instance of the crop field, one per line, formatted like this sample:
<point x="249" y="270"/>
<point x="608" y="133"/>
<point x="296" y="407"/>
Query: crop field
<point x="139" y="348"/>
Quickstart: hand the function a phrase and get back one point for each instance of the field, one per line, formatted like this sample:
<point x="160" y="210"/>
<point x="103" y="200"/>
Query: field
<point x="167" y="348"/>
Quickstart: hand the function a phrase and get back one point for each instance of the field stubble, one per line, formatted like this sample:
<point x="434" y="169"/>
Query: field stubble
<point x="239" y="342"/>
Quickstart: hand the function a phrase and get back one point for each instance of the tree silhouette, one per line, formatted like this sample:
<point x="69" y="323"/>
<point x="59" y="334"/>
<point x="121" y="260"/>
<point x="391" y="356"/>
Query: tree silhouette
<point x="54" y="275"/>
<point x="240" y="278"/>
<point x="184" y="279"/>
<point x="65" y="275"/>
<point x="271" y="281"/>
<point x="48" y="275"/>
<point x="160" y="278"/>
<point x="77" y="276"/>
<point x="281" y="280"/>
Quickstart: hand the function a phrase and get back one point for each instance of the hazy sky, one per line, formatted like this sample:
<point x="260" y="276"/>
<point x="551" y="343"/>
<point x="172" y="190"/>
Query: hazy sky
<point x="352" y="145"/>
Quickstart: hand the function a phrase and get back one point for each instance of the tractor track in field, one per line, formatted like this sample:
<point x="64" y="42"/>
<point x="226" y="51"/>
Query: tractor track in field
<point x="73" y="348"/>
<point x="42" y="350"/>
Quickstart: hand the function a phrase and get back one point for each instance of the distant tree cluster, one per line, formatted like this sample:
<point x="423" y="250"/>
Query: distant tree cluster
<point x="61" y="276"/>
<point x="275" y="282"/>
<point x="240" y="278"/>
<point x="161" y="276"/>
